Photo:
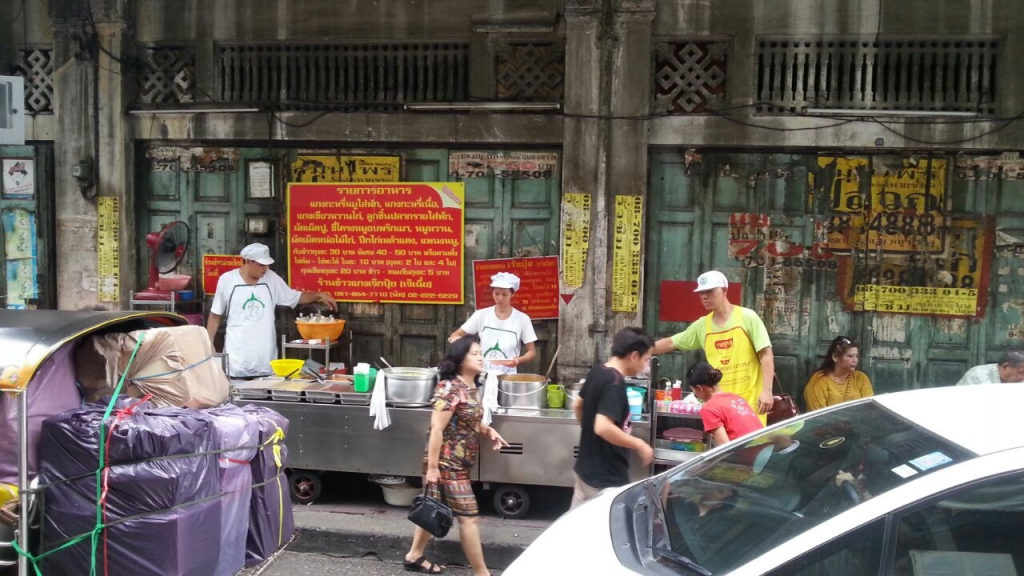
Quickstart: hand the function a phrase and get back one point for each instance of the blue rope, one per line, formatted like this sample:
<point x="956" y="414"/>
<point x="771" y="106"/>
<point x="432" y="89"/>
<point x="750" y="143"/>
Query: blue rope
<point x="189" y="367"/>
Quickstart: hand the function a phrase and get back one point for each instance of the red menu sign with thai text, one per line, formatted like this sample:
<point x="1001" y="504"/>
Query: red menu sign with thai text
<point x="537" y="296"/>
<point x="214" y="266"/>
<point x="395" y="242"/>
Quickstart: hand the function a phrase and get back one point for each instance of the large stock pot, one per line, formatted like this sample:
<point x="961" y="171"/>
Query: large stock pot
<point x="522" y="391"/>
<point x="410" y="386"/>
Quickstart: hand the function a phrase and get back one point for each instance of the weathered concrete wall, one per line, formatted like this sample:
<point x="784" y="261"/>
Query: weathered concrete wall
<point x="328" y="20"/>
<point x="355" y="129"/>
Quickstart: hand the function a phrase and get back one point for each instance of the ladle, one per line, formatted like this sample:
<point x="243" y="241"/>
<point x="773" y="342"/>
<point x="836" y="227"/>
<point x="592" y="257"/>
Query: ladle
<point x="386" y="363"/>
<point x="550" y="366"/>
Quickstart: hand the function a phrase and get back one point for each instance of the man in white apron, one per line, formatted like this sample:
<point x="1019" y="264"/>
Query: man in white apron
<point x="734" y="340"/>
<point x="247" y="296"/>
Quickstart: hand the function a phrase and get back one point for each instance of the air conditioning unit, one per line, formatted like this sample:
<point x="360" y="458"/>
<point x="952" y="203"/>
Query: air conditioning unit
<point x="12" y="110"/>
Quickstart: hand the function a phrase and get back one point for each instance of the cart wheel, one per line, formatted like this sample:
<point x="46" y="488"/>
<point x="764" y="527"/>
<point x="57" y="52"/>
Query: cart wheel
<point x="511" y="501"/>
<point x="306" y="486"/>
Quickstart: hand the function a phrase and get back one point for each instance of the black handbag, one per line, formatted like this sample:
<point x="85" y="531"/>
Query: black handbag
<point x="783" y="405"/>
<point x="431" y="514"/>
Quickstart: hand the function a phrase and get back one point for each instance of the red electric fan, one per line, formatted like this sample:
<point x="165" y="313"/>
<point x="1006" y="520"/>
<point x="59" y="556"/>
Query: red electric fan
<point x="167" y="248"/>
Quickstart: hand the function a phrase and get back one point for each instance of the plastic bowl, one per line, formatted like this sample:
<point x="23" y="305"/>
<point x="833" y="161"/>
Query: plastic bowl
<point x="399" y="495"/>
<point x="320" y="330"/>
<point x="286" y="366"/>
<point x="175" y="282"/>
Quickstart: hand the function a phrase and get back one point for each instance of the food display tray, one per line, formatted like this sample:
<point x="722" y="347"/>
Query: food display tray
<point x="355" y="398"/>
<point x="253" y="389"/>
<point x="328" y="392"/>
<point x="290" y="390"/>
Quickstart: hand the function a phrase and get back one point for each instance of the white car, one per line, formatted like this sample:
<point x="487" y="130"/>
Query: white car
<point x="924" y="482"/>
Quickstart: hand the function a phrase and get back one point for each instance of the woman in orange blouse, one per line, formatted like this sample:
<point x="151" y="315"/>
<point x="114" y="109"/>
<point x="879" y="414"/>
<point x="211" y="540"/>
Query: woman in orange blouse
<point x="838" y="379"/>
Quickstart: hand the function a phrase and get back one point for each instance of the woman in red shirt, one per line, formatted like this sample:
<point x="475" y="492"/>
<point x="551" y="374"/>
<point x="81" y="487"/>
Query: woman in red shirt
<point x="726" y="416"/>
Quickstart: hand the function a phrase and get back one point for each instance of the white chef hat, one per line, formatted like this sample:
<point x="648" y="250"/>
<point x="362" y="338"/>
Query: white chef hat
<point x="505" y="280"/>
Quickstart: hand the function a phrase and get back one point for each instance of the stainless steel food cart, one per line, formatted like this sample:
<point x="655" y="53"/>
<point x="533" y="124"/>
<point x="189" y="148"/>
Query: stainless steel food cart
<point x="337" y="437"/>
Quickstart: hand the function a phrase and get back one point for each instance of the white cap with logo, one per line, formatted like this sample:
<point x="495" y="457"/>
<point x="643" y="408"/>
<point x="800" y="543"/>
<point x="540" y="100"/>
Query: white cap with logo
<point x="505" y="280"/>
<point x="710" y="280"/>
<point x="257" y="253"/>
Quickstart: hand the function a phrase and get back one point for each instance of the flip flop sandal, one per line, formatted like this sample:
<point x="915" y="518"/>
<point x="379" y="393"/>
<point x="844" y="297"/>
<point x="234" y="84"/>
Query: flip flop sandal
<point x="418" y="565"/>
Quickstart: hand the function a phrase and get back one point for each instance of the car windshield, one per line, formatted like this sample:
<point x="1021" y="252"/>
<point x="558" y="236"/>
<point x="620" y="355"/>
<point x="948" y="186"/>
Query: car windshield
<point x="727" y="510"/>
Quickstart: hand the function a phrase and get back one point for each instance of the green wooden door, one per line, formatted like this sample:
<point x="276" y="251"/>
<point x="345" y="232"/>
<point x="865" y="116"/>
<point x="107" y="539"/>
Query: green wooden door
<point x="799" y="289"/>
<point x="404" y="334"/>
<point x="28" y="276"/>
<point x="505" y="217"/>
<point x="992" y="187"/>
<point x="694" y="202"/>
<point x="208" y="189"/>
<point x="511" y="217"/>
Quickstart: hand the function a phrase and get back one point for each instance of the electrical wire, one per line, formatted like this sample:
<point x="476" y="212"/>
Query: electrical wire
<point x="95" y="35"/>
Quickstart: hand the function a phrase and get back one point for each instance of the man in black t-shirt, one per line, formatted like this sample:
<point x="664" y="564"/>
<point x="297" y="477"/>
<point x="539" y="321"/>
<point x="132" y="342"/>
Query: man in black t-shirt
<point x="603" y="413"/>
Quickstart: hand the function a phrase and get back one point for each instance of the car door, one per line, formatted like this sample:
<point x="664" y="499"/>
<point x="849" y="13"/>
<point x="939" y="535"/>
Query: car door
<point x="972" y="529"/>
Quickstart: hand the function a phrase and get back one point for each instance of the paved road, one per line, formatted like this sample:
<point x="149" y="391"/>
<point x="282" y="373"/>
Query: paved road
<point x="351" y="530"/>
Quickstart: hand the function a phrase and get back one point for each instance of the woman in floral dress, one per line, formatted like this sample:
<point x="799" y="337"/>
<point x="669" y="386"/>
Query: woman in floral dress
<point x="453" y="444"/>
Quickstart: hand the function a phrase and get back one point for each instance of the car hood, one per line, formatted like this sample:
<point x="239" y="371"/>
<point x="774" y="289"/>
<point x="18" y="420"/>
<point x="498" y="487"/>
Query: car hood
<point x="572" y="545"/>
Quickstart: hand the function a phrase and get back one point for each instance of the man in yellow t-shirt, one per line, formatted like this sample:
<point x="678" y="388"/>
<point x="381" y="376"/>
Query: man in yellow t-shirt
<point x="734" y="340"/>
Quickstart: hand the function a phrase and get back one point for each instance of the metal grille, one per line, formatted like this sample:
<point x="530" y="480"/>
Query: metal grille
<point x="530" y="71"/>
<point x="348" y="75"/>
<point x="168" y="76"/>
<point x="36" y="67"/>
<point x="947" y="74"/>
<point x="512" y="448"/>
<point x="688" y="76"/>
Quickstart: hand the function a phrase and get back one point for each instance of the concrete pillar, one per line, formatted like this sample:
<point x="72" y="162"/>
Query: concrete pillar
<point x="75" y="140"/>
<point x="115" y="150"/>
<point x="607" y="75"/>
<point x="630" y="97"/>
<point x="90" y="106"/>
<point x="583" y="160"/>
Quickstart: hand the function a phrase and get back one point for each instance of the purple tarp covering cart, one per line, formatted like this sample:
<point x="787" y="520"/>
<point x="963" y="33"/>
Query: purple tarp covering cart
<point x="271" y="522"/>
<point x="162" y="485"/>
<point x="179" y="494"/>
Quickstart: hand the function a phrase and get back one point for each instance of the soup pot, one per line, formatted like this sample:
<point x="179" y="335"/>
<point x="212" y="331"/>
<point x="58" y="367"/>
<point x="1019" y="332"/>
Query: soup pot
<point x="522" y="391"/>
<point x="410" y="386"/>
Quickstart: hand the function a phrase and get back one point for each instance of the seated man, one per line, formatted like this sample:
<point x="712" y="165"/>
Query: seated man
<point x="1010" y="368"/>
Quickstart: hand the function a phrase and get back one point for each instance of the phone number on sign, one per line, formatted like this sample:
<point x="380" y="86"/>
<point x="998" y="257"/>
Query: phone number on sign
<point x="888" y="223"/>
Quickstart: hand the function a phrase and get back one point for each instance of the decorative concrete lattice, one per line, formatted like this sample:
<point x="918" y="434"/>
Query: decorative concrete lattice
<point x="688" y="76"/>
<point x="168" y="76"/>
<point x="343" y="76"/>
<point x="36" y="67"/>
<point x="878" y="73"/>
<point x="530" y="71"/>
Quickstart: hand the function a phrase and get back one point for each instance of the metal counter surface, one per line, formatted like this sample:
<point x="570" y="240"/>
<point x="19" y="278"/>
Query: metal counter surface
<point x="542" y="450"/>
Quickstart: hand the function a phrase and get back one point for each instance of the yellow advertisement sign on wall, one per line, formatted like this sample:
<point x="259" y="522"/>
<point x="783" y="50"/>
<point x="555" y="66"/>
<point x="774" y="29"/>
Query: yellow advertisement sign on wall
<point x="320" y="168"/>
<point x="953" y="283"/>
<point x="575" y="237"/>
<point x="916" y="300"/>
<point x="626" y="257"/>
<point x="108" y="267"/>
<point x="901" y="209"/>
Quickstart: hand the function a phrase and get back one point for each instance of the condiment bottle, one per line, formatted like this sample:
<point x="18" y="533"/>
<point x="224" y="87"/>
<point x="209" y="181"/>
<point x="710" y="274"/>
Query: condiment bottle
<point x="677" y="390"/>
